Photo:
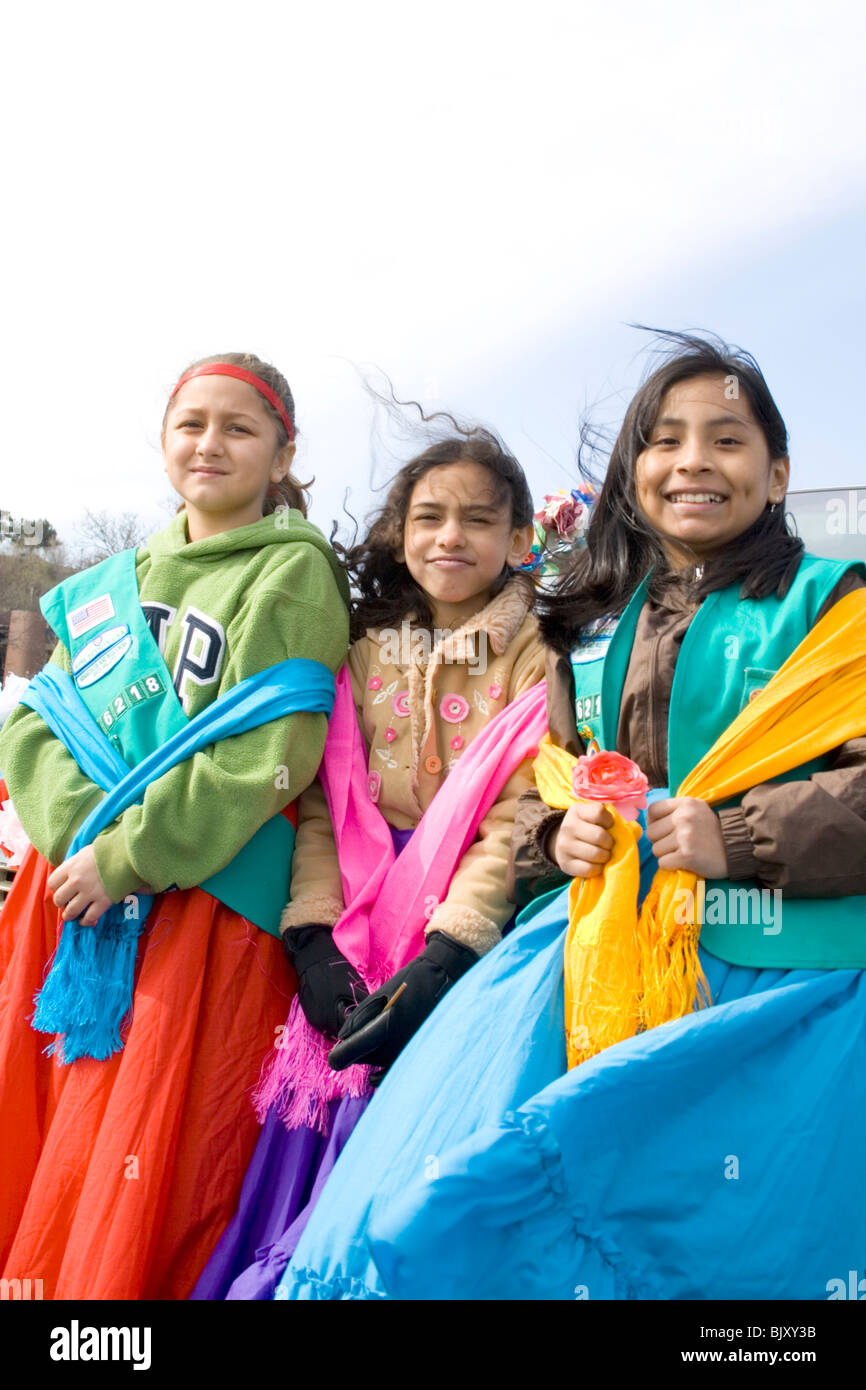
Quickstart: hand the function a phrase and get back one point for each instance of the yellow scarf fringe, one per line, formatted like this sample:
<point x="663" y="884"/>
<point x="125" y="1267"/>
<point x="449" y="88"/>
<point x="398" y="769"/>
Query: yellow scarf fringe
<point x="624" y="975"/>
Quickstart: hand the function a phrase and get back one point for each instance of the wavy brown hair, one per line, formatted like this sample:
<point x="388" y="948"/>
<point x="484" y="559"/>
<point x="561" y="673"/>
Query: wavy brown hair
<point x="386" y="591"/>
<point x="621" y="546"/>
<point x="288" y="492"/>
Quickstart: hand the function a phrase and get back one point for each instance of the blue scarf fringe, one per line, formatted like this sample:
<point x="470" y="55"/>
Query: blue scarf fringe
<point x="87" y="994"/>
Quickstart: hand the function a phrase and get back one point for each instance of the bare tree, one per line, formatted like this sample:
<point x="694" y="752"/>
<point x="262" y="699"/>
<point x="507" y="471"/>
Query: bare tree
<point x="100" y="534"/>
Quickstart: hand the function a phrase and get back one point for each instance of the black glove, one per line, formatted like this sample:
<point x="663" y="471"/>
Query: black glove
<point x="376" y="1037"/>
<point x="328" y="986"/>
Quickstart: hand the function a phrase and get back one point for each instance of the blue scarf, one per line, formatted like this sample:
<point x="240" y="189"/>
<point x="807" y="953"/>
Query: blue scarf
<point x="89" y="989"/>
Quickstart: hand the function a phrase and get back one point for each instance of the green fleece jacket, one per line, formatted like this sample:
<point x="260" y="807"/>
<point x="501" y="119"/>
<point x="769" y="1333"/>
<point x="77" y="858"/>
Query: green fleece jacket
<point x="256" y="596"/>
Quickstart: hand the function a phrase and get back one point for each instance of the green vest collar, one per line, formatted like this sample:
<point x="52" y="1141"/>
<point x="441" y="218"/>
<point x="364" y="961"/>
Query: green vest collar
<point x="616" y="663"/>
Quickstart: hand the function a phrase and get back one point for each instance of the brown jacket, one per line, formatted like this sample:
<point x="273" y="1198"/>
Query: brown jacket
<point x="419" y="706"/>
<point x="807" y="838"/>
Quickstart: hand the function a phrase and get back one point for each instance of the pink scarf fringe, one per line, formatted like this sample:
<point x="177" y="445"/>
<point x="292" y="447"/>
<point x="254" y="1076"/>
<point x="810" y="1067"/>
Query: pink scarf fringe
<point x="389" y="898"/>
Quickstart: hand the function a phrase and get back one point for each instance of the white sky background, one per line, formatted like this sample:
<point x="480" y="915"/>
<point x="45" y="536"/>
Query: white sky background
<point x="475" y="197"/>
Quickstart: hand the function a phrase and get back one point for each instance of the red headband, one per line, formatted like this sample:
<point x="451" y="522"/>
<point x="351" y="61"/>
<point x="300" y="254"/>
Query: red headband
<point x="241" y="374"/>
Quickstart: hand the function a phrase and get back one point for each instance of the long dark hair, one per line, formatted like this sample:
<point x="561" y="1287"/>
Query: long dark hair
<point x="622" y="547"/>
<point x="386" y="591"/>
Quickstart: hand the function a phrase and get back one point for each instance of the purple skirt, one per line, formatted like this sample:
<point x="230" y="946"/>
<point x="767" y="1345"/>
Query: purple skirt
<point x="286" y="1174"/>
<point x="282" y="1184"/>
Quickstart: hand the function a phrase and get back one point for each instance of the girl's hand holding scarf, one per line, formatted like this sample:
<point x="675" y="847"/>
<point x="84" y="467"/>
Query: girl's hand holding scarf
<point x="686" y="833"/>
<point x="78" y="890"/>
<point x="581" y="844"/>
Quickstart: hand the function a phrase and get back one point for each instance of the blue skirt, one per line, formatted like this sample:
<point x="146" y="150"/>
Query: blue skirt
<point x="716" y="1157"/>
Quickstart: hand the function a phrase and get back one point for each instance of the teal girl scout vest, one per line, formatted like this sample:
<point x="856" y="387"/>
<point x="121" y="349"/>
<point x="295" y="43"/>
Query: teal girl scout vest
<point x="121" y="678"/>
<point x="731" y="649"/>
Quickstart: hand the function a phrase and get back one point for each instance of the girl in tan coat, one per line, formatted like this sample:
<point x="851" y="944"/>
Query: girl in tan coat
<point x="445" y="639"/>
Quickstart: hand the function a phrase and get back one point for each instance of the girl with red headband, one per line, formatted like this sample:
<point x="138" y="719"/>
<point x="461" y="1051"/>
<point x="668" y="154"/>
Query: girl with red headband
<point x="155" y="762"/>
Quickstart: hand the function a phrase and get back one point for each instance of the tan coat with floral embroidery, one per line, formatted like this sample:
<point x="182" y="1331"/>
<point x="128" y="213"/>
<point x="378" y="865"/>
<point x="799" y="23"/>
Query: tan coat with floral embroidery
<point x="419" y="706"/>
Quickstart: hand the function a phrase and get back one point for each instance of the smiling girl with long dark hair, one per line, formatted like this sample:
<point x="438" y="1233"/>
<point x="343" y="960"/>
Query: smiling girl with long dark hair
<point x="709" y="1152"/>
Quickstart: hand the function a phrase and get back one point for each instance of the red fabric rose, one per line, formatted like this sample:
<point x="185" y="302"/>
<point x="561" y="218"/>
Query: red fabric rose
<point x="564" y="513"/>
<point x="611" y="778"/>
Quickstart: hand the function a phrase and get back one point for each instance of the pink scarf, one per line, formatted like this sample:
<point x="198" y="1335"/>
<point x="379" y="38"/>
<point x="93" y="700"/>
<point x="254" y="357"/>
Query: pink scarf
<point x="390" y="899"/>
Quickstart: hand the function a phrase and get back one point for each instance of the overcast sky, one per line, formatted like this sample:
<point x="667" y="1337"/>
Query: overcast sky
<point x="476" y="198"/>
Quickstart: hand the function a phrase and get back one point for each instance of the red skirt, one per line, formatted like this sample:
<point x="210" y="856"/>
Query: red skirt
<point x="119" y="1177"/>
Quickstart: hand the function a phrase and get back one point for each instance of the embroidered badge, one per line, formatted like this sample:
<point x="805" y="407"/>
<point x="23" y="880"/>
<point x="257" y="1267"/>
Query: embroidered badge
<point x="82" y="619"/>
<point x="589" y="739"/>
<point x="96" y="645"/>
<point x="103" y="664"/>
<point x="594" y="641"/>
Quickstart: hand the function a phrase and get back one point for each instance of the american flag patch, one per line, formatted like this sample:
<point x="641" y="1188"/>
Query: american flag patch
<point x="90" y="614"/>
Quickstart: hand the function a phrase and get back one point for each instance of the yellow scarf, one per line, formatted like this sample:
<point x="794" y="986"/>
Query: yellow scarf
<point x="623" y="975"/>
